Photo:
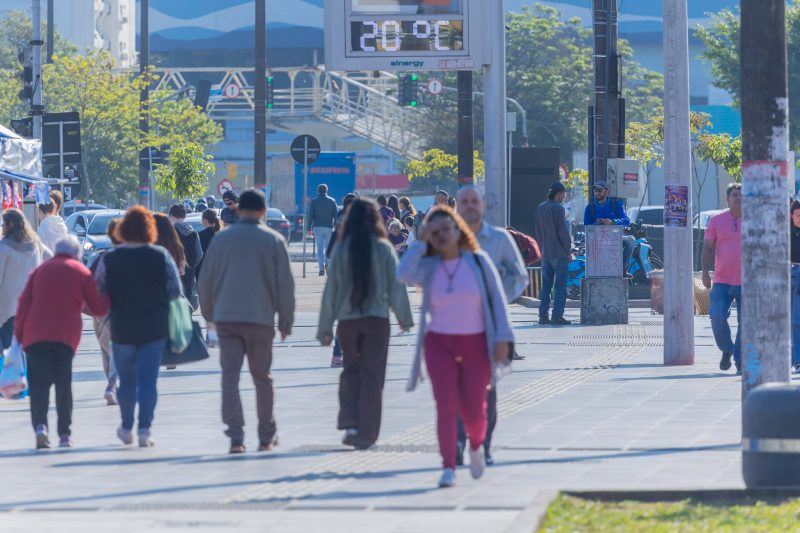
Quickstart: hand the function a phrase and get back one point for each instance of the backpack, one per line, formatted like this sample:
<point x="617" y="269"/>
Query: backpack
<point x="527" y="245"/>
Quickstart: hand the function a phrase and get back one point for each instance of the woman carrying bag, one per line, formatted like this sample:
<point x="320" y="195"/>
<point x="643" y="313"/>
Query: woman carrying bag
<point x="141" y="280"/>
<point x="464" y="330"/>
<point x="360" y="290"/>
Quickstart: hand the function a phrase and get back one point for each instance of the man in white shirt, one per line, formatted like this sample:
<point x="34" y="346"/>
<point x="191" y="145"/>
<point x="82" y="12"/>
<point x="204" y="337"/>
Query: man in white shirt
<point x="52" y="228"/>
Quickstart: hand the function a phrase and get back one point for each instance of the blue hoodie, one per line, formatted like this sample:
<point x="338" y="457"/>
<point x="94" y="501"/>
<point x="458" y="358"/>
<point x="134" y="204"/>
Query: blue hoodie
<point x="606" y="211"/>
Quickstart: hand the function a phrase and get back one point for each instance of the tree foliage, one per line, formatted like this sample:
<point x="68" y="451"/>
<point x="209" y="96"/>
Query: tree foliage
<point x="438" y="170"/>
<point x="108" y="103"/>
<point x="15" y="35"/>
<point x="721" y="40"/>
<point x="186" y="174"/>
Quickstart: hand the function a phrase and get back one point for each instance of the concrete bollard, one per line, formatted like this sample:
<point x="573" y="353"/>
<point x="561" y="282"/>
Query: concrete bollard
<point x="771" y="436"/>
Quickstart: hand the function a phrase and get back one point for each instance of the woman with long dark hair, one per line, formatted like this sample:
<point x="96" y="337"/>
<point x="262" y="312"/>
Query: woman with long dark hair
<point x="394" y="205"/>
<point x="211" y="226"/>
<point x="169" y="240"/>
<point x="360" y="290"/>
<point x="467" y="332"/>
<point x="407" y="209"/>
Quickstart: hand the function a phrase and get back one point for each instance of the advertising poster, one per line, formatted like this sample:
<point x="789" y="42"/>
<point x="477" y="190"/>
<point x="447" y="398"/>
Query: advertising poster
<point x="676" y="206"/>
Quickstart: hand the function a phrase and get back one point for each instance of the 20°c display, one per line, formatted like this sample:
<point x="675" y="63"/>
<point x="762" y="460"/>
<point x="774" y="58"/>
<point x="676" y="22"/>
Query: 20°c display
<point x="375" y="36"/>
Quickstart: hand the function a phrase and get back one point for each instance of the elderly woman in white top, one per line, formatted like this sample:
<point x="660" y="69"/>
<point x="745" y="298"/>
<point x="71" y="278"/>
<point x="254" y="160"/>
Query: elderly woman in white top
<point x="20" y="253"/>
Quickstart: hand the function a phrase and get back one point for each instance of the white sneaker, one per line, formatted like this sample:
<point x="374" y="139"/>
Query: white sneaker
<point x="125" y="435"/>
<point x="476" y="463"/>
<point x="110" y="397"/>
<point x="145" y="439"/>
<point x="448" y="478"/>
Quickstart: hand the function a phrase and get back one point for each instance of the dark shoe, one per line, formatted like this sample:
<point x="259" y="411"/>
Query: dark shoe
<point x="560" y="321"/>
<point x="350" y="437"/>
<point x="459" y="454"/>
<point x="543" y="320"/>
<point x="336" y="362"/>
<point x="488" y="457"/>
<point x="517" y="357"/>
<point x="725" y="362"/>
<point x="321" y="273"/>
<point x="237" y="446"/>
<point x="738" y="369"/>
<point x="268" y="446"/>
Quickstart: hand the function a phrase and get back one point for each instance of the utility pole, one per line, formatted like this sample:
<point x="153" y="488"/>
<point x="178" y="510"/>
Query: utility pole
<point x="495" y="117"/>
<point x="50" y="30"/>
<point x="466" y="143"/>
<point x="678" y="267"/>
<point x="766" y="288"/>
<point x="144" y="100"/>
<point x="37" y="110"/>
<point x="260" y="147"/>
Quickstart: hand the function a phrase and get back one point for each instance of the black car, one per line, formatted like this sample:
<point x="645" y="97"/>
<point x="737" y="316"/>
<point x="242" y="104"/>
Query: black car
<point x="278" y="221"/>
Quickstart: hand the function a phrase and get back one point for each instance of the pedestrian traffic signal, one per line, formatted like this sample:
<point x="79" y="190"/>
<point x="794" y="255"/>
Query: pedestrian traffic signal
<point x="26" y="59"/>
<point x="408" y="93"/>
<point x="270" y="93"/>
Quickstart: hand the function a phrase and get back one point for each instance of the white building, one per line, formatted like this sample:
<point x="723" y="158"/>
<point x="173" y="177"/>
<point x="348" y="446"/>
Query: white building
<point x="99" y="24"/>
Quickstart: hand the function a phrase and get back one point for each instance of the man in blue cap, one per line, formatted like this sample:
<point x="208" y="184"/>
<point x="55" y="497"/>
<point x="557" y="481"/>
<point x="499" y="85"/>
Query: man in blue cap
<point x="603" y="210"/>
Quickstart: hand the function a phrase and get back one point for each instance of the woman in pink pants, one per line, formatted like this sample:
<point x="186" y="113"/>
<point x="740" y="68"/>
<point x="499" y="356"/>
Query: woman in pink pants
<point x="464" y="329"/>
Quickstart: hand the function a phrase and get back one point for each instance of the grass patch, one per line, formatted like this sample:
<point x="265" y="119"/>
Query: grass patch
<point x="569" y="514"/>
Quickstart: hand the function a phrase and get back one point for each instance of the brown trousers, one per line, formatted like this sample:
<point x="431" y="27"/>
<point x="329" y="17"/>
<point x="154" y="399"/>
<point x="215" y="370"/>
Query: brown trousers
<point x="365" y="346"/>
<point x="235" y="341"/>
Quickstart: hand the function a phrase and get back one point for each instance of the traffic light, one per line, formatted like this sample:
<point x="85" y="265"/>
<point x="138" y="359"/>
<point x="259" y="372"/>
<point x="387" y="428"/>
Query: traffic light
<point x="408" y="93"/>
<point x="270" y="92"/>
<point x="26" y="59"/>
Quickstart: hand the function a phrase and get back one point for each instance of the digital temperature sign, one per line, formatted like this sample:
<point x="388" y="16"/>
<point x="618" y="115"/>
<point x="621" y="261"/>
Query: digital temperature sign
<point x="424" y="35"/>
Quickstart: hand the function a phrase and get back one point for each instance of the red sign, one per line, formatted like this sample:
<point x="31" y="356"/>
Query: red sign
<point x="382" y="182"/>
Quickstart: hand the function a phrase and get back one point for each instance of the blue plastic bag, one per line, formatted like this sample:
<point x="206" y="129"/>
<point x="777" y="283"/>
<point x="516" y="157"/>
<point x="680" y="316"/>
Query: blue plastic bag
<point x="14" y="373"/>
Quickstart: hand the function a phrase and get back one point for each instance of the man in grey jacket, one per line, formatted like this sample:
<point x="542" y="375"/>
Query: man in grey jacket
<point x="500" y="246"/>
<point x="556" y="245"/>
<point x="246" y="278"/>
<point x="322" y="215"/>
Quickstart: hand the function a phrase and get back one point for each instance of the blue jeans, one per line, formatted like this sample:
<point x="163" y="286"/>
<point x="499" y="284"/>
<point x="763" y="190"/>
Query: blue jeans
<point x="628" y="245"/>
<point x="554" y="271"/>
<point x="322" y="236"/>
<point x="722" y="298"/>
<point x="137" y="365"/>
<point x="795" y="314"/>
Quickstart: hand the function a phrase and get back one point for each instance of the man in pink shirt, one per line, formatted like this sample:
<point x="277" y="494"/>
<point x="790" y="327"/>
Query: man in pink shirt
<point x="723" y="241"/>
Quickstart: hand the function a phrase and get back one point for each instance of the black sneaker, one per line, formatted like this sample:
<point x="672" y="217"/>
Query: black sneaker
<point x="543" y="320"/>
<point x="321" y="273"/>
<point x="488" y="457"/>
<point x="350" y="437"/>
<point x="738" y="369"/>
<point x="560" y="321"/>
<point x="517" y="357"/>
<point x="237" y="446"/>
<point x="725" y="362"/>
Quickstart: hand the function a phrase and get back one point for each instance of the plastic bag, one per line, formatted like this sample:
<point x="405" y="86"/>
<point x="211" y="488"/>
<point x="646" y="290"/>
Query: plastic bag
<point x="180" y="324"/>
<point x="13" y="374"/>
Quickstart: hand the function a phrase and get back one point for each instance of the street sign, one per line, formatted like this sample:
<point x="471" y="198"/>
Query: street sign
<point x="405" y="35"/>
<point x="224" y="185"/>
<point x="232" y="90"/>
<point x="435" y="87"/>
<point x="215" y="94"/>
<point x="304" y="152"/>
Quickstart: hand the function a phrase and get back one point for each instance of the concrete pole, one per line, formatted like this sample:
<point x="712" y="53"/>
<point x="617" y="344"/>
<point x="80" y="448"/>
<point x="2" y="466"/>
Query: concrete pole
<point x="36" y="43"/>
<point x="766" y="288"/>
<point x="678" y="268"/>
<point x="494" y="131"/>
<point x="260" y="146"/>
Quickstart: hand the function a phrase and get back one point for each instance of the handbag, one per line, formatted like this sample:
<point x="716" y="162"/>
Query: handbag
<point x="180" y="324"/>
<point x="14" y="372"/>
<point x="491" y="310"/>
<point x="195" y="351"/>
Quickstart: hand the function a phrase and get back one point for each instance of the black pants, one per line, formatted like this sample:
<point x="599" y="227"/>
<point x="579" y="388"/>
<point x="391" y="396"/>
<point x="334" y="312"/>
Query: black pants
<point x="491" y="414"/>
<point x="50" y="363"/>
<point x="6" y="333"/>
<point x="365" y="347"/>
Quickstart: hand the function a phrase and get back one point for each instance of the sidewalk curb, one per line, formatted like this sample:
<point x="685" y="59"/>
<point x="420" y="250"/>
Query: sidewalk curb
<point x="703" y="495"/>
<point x="531" y="518"/>
<point x="533" y="303"/>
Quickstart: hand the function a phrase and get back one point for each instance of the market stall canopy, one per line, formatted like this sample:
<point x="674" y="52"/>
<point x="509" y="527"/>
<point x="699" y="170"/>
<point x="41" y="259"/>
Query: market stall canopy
<point x="20" y="158"/>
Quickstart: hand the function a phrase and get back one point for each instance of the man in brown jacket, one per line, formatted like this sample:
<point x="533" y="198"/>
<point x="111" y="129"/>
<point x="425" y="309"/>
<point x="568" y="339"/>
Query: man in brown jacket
<point x="246" y="279"/>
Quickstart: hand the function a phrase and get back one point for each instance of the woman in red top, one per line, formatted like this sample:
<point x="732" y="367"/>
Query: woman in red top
<point x="48" y="326"/>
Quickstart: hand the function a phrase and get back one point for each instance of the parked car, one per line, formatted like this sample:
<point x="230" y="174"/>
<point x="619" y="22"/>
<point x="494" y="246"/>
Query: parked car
<point x="278" y="221"/>
<point x="74" y="206"/>
<point x="90" y="228"/>
<point x="295" y="228"/>
<point x="705" y="216"/>
<point x="649" y="215"/>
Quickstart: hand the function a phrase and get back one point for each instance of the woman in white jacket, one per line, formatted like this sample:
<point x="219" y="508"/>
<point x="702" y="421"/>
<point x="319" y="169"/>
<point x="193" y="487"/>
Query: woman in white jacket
<point x="52" y="228"/>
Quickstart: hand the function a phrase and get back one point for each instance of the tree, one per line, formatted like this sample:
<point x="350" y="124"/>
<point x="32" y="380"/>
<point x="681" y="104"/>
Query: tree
<point x="438" y="170"/>
<point x="108" y="103"/>
<point x="15" y="35"/>
<point x="721" y="40"/>
<point x="186" y="175"/>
